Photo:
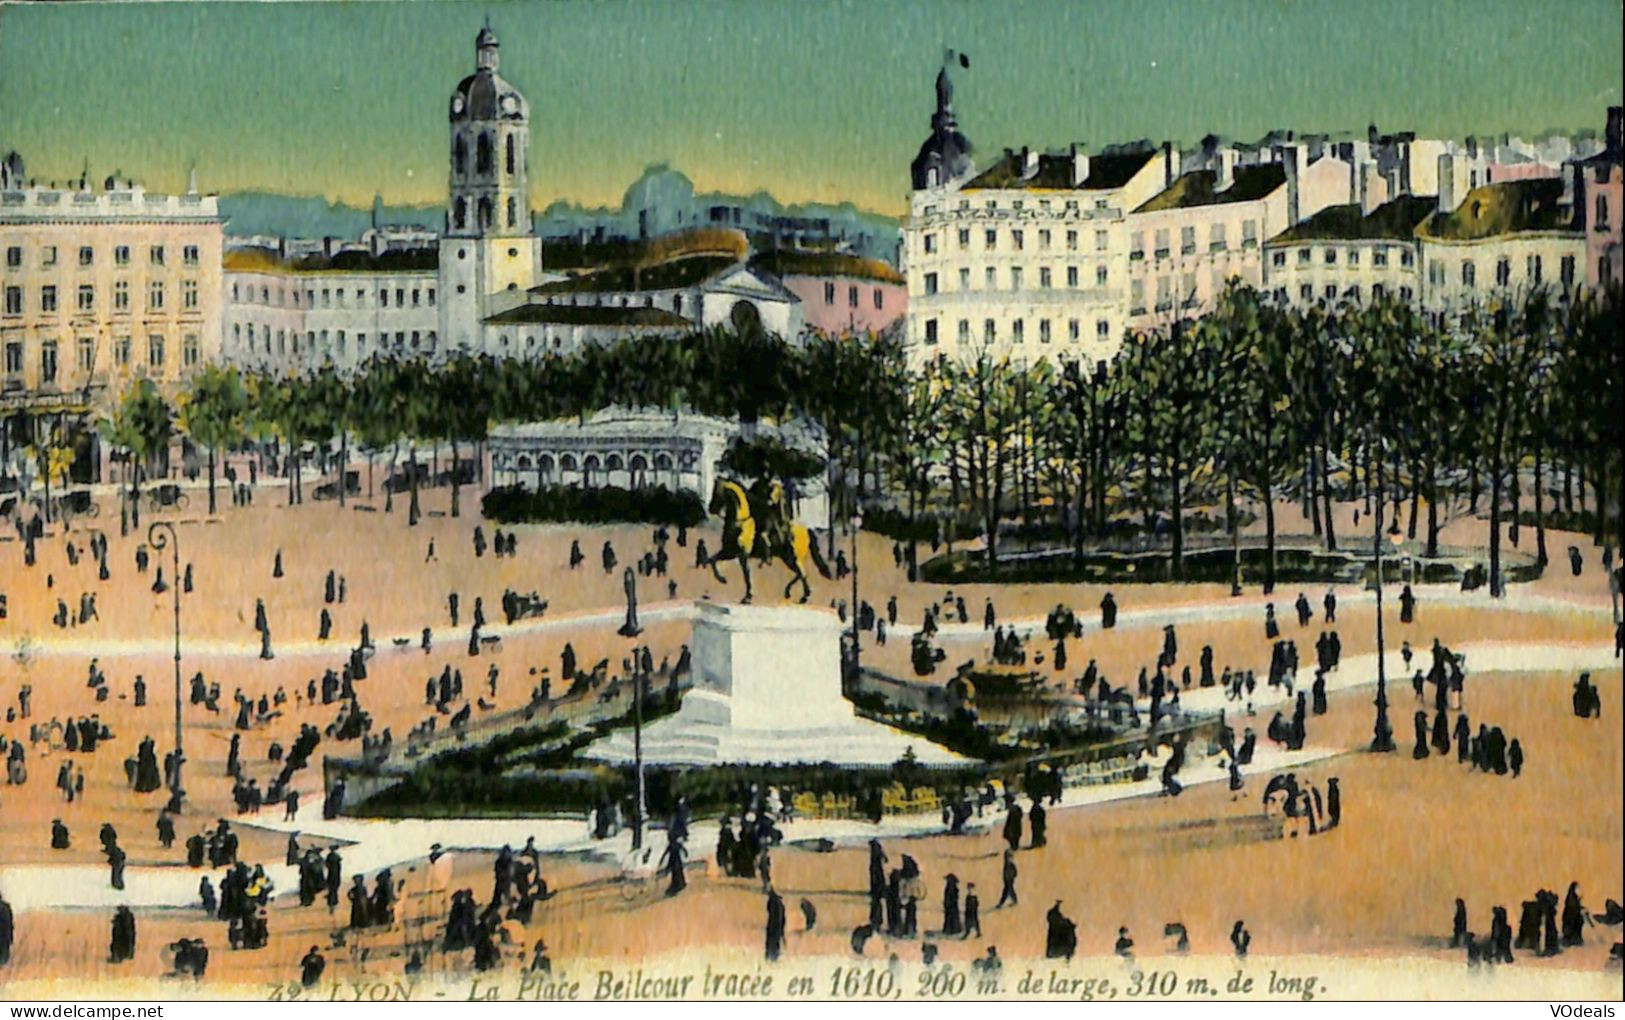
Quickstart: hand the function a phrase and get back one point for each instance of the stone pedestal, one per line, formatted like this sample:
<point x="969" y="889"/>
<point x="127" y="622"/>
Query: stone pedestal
<point x="767" y="690"/>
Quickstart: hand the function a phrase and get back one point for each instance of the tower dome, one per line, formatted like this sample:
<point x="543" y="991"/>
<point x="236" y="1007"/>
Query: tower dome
<point x="485" y="95"/>
<point x="945" y="156"/>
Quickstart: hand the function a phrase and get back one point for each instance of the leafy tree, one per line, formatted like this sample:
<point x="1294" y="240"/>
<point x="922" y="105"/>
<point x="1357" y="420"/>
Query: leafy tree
<point x="139" y="427"/>
<point x="214" y="411"/>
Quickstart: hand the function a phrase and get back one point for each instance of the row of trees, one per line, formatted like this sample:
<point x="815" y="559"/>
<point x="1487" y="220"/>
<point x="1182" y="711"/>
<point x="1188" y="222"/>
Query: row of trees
<point x="1237" y="409"/>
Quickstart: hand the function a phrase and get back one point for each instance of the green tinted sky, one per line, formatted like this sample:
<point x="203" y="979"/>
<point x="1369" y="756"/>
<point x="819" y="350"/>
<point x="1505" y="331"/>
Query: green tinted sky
<point x="812" y="100"/>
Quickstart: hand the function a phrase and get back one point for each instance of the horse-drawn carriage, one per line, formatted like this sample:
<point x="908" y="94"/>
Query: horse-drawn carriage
<point x="166" y="495"/>
<point x="77" y="503"/>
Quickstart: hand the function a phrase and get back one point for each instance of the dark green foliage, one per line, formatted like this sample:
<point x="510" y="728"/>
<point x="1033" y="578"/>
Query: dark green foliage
<point x="603" y="505"/>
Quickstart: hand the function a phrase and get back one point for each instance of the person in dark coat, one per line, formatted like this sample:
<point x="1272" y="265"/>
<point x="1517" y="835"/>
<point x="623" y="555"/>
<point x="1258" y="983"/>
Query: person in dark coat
<point x="973" y="912"/>
<point x="1008" y="893"/>
<point x="359" y="902"/>
<point x="1334" y="803"/>
<point x="1037" y="820"/>
<point x="1574" y="916"/>
<point x="121" y="946"/>
<point x="1515" y="758"/>
<point x="1108" y="612"/>
<point x="1441" y="733"/>
<point x="775" y="924"/>
<point x="1458" y="925"/>
<point x="166" y="829"/>
<point x="59" y="835"/>
<point x="1060" y="934"/>
<point x="1240" y="939"/>
<point x="7" y="931"/>
<point x="877" y="882"/>
<point x="1464" y="736"/>
<point x="1500" y="936"/>
<point x="1421" y="749"/>
<point x="1407" y="605"/>
<point x="672" y="860"/>
<point x="1012" y="824"/>
<point x="951" y="924"/>
<point x="311" y="967"/>
<point x="1272" y="630"/>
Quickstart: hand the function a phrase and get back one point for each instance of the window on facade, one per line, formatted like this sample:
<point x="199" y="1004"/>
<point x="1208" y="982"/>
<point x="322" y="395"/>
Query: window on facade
<point x="1278" y="259"/>
<point x="513" y="211"/>
<point x="930" y="243"/>
<point x="1187" y="289"/>
<point x="1043" y="331"/>
<point x="1215" y="237"/>
<point x="1100" y="276"/>
<point x="1071" y="240"/>
<point x="1354" y="293"/>
<point x="1304" y="256"/>
<point x="189" y="293"/>
<point x="1044" y="277"/>
<point x="1165" y="293"/>
<point x="990" y="240"/>
<point x="1378" y="292"/>
<point x="511" y="161"/>
<point x="86" y="299"/>
<point x="1469" y="274"/>
<point x="1161" y="239"/>
<point x="1407" y="258"/>
<point x="48" y="255"/>
<point x="1602" y="213"/>
<point x="14" y="301"/>
<point x="1533" y="270"/>
<point x="1136" y="290"/>
<point x="990" y="331"/>
<point x="1018" y="331"/>
<point x="431" y="297"/>
<point x="87" y="256"/>
<point x="14" y="258"/>
<point x="1331" y="292"/>
<point x="1379" y="258"/>
<point x="1043" y="239"/>
<point x="1072" y="277"/>
<point x="964" y="331"/>
<point x="155" y="295"/>
<point x="1331" y="256"/>
<point x="1306" y="293"/>
<point x="189" y="255"/>
<point x="1503" y="272"/>
<point x="1406" y="294"/>
<point x="852" y="296"/>
<point x="156" y="254"/>
<point x="1015" y="277"/>
<point x="1136" y="245"/>
<point x="482" y="153"/>
<point x="47" y="299"/>
<point x="459" y="213"/>
<point x="1354" y="256"/>
<point x="87" y="354"/>
<point x="400" y="297"/>
<point x="1100" y="240"/>
<point x="383" y="297"/>
<point x="155" y="351"/>
<point x="121" y="350"/>
<point x="121" y="255"/>
<point x="121" y="295"/>
<point x="1565" y="271"/>
<point x="1017" y="239"/>
<point x="47" y="362"/>
<point x="829" y="293"/>
<point x="1249" y="233"/>
<point x="930" y="332"/>
<point x="1187" y="240"/>
<point x="1072" y="330"/>
<point x="1103" y="329"/>
<point x="964" y="238"/>
<point x="14" y="358"/>
<point x="190" y="350"/>
<point x="930" y="283"/>
<point x="991" y="279"/>
<point x="964" y="281"/>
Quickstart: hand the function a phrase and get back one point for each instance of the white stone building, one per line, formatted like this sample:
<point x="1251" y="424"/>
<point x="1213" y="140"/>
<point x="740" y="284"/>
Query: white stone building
<point x="1348" y="253"/>
<point x="101" y="287"/>
<point x="1502" y="240"/>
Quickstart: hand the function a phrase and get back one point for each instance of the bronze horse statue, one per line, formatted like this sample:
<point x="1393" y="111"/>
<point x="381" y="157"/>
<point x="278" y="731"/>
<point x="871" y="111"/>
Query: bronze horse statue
<point x="761" y="528"/>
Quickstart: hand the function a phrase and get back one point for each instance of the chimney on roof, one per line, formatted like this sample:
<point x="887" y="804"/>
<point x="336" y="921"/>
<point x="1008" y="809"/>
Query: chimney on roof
<point x="1447" y="183"/>
<point x="1366" y="186"/>
<point x="1288" y="156"/>
<point x="327" y="247"/>
<point x="1612" y="134"/>
<point x="1170" y="164"/>
<point x="1080" y="164"/>
<point x="1029" y="163"/>
<point x="1225" y="166"/>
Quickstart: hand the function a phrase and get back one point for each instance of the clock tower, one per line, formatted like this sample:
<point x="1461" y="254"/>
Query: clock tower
<point x="489" y="254"/>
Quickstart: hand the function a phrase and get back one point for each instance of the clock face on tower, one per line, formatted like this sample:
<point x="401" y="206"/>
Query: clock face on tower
<point x="510" y="104"/>
<point x="456" y="104"/>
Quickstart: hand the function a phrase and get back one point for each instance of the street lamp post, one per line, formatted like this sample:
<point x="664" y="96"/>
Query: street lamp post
<point x="157" y="538"/>
<point x="857" y="526"/>
<point x="1382" y="738"/>
<point x="630" y="630"/>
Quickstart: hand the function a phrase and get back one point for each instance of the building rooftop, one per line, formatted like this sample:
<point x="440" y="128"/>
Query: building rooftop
<point x="804" y="263"/>
<point x="1054" y="172"/>
<point x="675" y="274"/>
<point x="264" y="260"/>
<point x="1493" y="210"/>
<point x="589" y="315"/>
<point x="1396" y="220"/>
<point x="1250" y="184"/>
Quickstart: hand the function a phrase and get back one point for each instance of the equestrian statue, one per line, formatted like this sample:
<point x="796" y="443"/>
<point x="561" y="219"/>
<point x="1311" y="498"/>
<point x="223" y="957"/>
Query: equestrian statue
<point x="756" y="523"/>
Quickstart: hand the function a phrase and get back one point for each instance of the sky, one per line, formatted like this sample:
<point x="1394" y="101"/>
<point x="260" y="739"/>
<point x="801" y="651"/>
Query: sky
<point x="813" y="100"/>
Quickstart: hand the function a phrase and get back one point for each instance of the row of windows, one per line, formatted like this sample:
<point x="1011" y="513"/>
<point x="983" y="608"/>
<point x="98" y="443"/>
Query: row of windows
<point x="852" y="296"/>
<point x="1534" y="272"/>
<point x="1044" y="205"/>
<point x="1018" y="279"/>
<point x="87" y="255"/>
<point x="1018" y="331"/>
<point x="1331" y="294"/>
<point x="483" y="154"/>
<point x="1018" y="240"/>
<point x="1217" y="240"/>
<point x="85" y="297"/>
<point x="1329" y="256"/>
<point x="333" y="296"/>
<point x="191" y="353"/>
<point x="312" y="337"/>
<point x="483" y="210"/>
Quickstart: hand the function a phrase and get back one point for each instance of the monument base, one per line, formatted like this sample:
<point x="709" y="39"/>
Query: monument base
<point x="767" y="691"/>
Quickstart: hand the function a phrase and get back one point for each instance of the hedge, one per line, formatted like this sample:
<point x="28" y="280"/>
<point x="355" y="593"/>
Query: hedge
<point x="515" y="504"/>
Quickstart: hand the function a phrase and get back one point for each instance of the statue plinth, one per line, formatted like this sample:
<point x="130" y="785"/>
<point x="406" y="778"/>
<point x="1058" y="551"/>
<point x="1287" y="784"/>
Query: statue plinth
<point x="767" y="690"/>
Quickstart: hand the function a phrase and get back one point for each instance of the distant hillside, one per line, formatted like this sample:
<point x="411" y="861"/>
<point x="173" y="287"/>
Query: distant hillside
<point x="255" y="212"/>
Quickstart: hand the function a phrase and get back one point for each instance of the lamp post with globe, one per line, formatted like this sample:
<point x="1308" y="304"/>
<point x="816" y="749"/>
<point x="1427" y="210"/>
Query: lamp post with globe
<point x="1382" y="737"/>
